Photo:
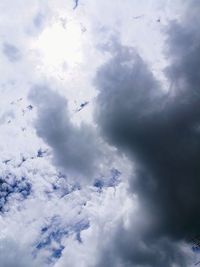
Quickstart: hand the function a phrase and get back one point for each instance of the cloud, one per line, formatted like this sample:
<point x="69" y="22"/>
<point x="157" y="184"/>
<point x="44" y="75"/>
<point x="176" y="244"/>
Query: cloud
<point x="160" y="132"/>
<point x="75" y="149"/>
<point x="13" y="188"/>
<point x="127" y="248"/>
<point x="11" y="52"/>
<point x="14" y="255"/>
<point x="98" y="225"/>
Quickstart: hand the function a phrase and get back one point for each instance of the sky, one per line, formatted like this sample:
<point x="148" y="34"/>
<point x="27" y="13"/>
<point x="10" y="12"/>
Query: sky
<point x="100" y="133"/>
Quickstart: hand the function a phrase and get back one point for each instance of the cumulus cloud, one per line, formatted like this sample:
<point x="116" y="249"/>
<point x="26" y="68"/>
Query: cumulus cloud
<point x="14" y="255"/>
<point x="160" y="132"/>
<point x="45" y="215"/>
<point x="76" y="149"/>
<point x="11" y="52"/>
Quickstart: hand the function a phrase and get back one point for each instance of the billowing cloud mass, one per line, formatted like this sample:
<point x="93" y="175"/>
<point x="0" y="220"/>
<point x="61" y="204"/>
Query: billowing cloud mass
<point x="75" y="148"/>
<point x="15" y="255"/>
<point x="100" y="133"/>
<point x="160" y="132"/>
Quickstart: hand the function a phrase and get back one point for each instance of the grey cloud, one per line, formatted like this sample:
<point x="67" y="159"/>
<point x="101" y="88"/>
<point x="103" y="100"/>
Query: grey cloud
<point x="6" y="116"/>
<point x="11" y="52"/>
<point x="39" y="20"/>
<point x="160" y="132"/>
<point x="131" y="248"/>
<point x="76" y="2"/>
<point x="75" y="149"/>
<point x="12" y="254"/>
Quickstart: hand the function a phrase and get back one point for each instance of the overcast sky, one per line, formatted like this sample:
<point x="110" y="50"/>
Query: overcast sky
<point x="100" y="133"/>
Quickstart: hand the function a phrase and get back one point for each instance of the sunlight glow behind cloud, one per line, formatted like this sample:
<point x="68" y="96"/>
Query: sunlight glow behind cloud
<point x="60" y="45"/>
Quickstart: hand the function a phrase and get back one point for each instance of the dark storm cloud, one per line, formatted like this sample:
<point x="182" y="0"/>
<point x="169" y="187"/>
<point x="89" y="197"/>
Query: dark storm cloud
<point x="161" y="134"/>
<point x="75" y="149"/>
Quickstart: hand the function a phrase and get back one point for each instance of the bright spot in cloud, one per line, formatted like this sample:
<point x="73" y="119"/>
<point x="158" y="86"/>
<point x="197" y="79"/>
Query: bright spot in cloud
<point x="59" y="47"/>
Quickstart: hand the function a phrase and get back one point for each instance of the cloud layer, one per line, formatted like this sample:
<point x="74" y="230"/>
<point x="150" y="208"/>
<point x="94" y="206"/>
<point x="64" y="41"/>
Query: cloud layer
<point x="160" y="132"/>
